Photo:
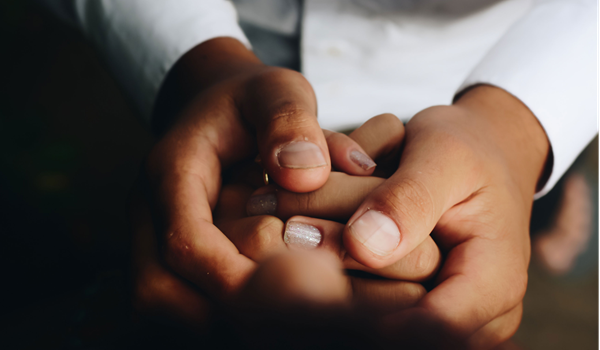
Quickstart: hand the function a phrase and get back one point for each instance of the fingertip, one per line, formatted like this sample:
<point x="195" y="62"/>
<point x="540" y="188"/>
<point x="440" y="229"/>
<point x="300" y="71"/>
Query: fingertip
<point x="348" y="156"/>
<point x="263" y="201"/>
<point x="372" y="238"/>
<point x="307" y="232"/>
<point x="362" y="160"/>
<point x="298" y="166"/>
<point x="301" y="155"/>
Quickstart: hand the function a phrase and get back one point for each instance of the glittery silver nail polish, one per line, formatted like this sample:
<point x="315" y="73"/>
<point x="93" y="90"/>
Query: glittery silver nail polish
<point x="362" y="160"/>
<point x="262" y="204"/>
<point x="301" y="235"/>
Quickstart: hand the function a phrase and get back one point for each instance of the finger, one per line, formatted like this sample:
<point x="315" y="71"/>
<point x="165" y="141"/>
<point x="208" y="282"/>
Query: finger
<point x="232" y="203"/>
<point x="257" y="237"/>
<point x="300" y="278"/>
<point x="381" y="137"/>
<point x="261" y="237"/>
<point x="338" y="199"/>
<point x="194" y="247"/>
<point x="480" y="280"/>
<point x="300" y="295"/>
<point x="378" y="138"/>
<point x="483" y="276"/>
<point x="156" y="291"/>
<point x="398" y="215"/>
<point x="184" y="176"/>
<point x="485" y="272"/>
<point x="347" y="156"/>
<point x="418" y="266"/>
<point x="282" y="106"/>
<point x="497" y="331"/>
<point x="371" y="296"/>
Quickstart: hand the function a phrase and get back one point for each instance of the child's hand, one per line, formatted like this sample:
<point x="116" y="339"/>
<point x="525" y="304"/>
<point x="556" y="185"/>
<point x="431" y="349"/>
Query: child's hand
<point x="467" y="177"/>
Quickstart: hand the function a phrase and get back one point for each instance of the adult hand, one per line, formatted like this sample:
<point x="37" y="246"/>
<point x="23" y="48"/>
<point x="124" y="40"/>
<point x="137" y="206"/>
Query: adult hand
<point x="232" y="105"/>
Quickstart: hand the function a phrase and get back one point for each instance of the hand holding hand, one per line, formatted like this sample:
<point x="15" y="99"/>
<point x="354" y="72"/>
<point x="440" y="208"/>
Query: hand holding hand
<point x="467" y="176"/>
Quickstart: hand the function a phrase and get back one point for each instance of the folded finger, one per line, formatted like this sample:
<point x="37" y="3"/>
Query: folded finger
<point x="372" y="296"/>
<point x="157" y="292"/>
<point x="282" y="107"/>
<point x="347" y="155"/>
<point x="381" y="137"/>
<point x="497" y="331"/>
<point x="338" y="199"/>
<point x="309" y="233"/>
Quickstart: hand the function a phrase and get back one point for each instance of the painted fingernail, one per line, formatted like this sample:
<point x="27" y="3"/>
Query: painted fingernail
<point x="262" y="204"/>
<point x="377" y="232"/>
<point x="362" y="160"/>
<point x="301" y="155"/>
<point x="300" y="235"/>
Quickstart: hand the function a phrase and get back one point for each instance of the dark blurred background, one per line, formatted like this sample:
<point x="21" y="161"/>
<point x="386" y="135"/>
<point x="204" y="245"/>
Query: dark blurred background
<point x="70" y="149"/>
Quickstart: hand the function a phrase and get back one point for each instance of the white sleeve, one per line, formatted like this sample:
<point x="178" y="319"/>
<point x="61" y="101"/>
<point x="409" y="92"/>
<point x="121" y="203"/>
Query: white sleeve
<point x="547" y="59"/>
<point x="142" y="39"/>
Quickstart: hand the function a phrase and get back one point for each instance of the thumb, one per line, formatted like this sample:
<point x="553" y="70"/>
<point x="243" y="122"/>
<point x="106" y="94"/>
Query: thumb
<point x="281" y="104"/>
<point x="435" y="173"/>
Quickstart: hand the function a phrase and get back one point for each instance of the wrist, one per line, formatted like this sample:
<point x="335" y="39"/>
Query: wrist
<point x="514" y="132"/>
<point x="205" y="65"/>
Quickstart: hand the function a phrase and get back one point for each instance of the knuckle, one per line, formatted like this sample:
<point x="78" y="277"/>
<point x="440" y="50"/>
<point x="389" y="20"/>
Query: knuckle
<point x="289" y="116"/>
<point x="305" y="202"/>
<point x="177" y="249"/>
<point x="425" y="260"/>
<point x="415" y="292"/>
<point x="389" y="120"/>
<point x="390" y="123"/>
<point x="266" y="233"/>
<point x="411" y="199"/>
<point x="287" y="110"/>
<point x="519" y="287"/>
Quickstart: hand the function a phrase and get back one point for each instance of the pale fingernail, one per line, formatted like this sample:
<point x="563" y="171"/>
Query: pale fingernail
<point x="301" y="155"/>
<point x="262" y="204"/>
<point x="362" y="160"/>
<point x="300" y="235"/>
<point x="377" y="232"/>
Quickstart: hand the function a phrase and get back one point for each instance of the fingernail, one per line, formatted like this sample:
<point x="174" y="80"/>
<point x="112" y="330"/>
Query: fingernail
<point x="262" y="204"/>
<point x="377" y="232"/>
<point x="362" y="160"/>
<point x="301" y="235"/>
<point x="301" y="155"/>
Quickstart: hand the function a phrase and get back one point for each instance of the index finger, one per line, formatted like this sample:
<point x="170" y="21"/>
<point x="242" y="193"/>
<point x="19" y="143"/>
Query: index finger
<point x="184" y="173"/>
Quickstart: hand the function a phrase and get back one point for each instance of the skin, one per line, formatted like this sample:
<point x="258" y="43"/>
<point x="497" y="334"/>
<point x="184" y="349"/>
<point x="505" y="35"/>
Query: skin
<point x="230" y="101"/>
<point x="282" y="282"/>
<point x="184" y="261"/>
<point x="467" y="176"/>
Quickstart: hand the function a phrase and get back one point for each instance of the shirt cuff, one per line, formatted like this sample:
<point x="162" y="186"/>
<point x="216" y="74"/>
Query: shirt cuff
<point x="142" y="39"/>
<point x="548" y="60"/>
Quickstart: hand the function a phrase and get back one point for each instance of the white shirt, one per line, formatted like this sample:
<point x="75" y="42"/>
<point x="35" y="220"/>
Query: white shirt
<point x="366" y="57"/>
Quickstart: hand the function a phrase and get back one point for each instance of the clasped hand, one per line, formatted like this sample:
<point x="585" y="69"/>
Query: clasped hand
<point x="466" y="178"/>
